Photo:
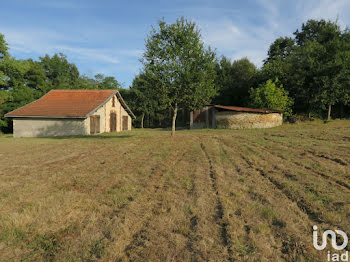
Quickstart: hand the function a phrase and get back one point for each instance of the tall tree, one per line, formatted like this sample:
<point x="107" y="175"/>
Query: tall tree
<point x="143" y="93"/>
<point x="271" y="96"/>
<point x="323" y="51"/>
<point x="175" y="57"/>
<point x="280" y="49"/>
<point x="3" y="47"/>
<point x="313" y="67"/>
<point x="35" y="78"/>
<point x="60" y="73"/>
<point x="234" y="81"/>
<point x="109" y="82"/>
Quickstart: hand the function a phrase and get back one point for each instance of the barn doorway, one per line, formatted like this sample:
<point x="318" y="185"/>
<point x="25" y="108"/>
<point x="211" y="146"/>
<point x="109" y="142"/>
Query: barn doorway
<point x="125" y="123"/>
<point x="94" y="125"/>
<point x="113" y="122"/>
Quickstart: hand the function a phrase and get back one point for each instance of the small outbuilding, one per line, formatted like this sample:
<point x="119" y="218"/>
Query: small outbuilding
<point x="232" y="117"/>
<point x="72" y="112"/>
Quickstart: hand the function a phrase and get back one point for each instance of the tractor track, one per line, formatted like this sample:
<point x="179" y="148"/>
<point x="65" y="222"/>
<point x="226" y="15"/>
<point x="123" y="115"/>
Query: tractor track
<point x="290" y="244"/>
<point x="219" y="218"/>
<point x="300" y="202"/>
<point x="332" y="180"/>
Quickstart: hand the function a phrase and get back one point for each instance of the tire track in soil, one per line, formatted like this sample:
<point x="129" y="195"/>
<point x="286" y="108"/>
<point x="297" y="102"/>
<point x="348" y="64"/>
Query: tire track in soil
<point x="192" y="241"/>
<point x="332" y="180"/>
<point x="289" y="243"/>
<point x="107" y="238"/>
<point x="315" y="154"/>
<point x="140" y="238"/>
<point x="323" y="156"/>
<point x="219" y="218"/>
<point x="299" y="201"/>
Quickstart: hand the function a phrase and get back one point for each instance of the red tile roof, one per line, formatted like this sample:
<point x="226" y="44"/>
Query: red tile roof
<point x="246" y="109"/>
<point x="67" y="103"/>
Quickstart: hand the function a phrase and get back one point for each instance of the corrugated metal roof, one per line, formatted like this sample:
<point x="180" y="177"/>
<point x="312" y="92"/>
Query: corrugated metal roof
<point x="68" y="104"/>
<point x="246" y="109"/>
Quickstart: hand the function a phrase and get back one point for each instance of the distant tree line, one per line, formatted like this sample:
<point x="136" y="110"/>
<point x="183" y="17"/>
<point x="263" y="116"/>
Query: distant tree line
<point x="307" y="74"/>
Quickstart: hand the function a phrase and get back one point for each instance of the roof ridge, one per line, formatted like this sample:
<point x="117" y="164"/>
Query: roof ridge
<point x="85" y="90"/>
<point x="69" y="103"/>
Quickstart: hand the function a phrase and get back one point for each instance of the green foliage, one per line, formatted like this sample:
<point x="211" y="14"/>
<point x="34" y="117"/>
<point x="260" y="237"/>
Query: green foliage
<point x="234" y="80"/>
<point x="3" y="47"/>
<point x="35" y="78"/>
<point x="314" y="67"/>
<point x="59" y="72"/>
<point x="109" y="82"/>
<point x="280" y="49"/>
<point x="271" y="96"/>
<point x="182" y="68"/>
<point x="144" y="97"/>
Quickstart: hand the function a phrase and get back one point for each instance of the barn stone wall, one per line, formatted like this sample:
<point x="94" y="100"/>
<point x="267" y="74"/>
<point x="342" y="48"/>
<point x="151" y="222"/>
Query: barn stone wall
<point x="105" y="112"/>
<point x="35" y="127"/>
<point x="119" y="110"/>
<point x="240" y="120"/>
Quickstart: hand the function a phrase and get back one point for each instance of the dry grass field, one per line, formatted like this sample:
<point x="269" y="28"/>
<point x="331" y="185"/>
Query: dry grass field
<point x="205" y="195"/>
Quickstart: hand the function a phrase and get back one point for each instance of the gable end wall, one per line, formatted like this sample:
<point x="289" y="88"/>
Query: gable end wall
<point x="104" y="113"/>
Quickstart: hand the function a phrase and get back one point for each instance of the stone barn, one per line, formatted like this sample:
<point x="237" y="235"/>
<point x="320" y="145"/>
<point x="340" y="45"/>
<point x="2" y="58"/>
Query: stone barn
<point x="72" y="112"/>
<point x="232" y="117"/>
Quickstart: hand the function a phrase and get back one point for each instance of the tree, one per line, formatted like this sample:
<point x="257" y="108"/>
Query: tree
<point x="35" y="78"/>
<point x="278" y="64"/>
<point x="4" y="97"/>
<point x="323" y="50"/>
<point x="234" y="81"/>
<point x="280" y="49"/>
<point x="176" y="59"/>
<point x="59" y="72"/>
<point x="313" y="67"/>
<point x="3" y="47"/>
<point x="270" y="96"/>
<point x="143" y="94"/>
<point x="108" y="82"/>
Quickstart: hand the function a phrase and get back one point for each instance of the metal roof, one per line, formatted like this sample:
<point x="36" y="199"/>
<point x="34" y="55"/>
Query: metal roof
<point x="247" y="109"/>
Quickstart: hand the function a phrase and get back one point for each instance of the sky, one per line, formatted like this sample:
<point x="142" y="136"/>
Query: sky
<point x="108" y="36"/>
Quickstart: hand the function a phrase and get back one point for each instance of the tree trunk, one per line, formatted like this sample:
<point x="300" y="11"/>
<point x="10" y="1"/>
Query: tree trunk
<point x="329" y="111"/>
<point x="142" y="118"/>
<point x="174" y="120"/>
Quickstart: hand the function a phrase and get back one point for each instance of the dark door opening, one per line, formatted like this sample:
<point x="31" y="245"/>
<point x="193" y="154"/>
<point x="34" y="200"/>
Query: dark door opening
<point x="94" y="124"/>
<point x="113" y="122"/>
<point x="125" y="123"/>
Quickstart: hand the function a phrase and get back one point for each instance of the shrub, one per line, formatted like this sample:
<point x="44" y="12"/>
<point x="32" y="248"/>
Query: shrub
<point x="271" y="96"/>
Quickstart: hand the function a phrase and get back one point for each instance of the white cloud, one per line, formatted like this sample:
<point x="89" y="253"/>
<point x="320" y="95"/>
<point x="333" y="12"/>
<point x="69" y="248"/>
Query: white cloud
<point x="326" y="9"/>
<point x="237" y="41"/>
<point x="89" y="54"/>
<point x="241" y="36"/>
<point x="41" y="42"/>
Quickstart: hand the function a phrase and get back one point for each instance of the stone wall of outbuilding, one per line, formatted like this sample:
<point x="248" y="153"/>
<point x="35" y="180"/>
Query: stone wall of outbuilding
<point x="241" y="120"/>
<point x="40" y="127"/>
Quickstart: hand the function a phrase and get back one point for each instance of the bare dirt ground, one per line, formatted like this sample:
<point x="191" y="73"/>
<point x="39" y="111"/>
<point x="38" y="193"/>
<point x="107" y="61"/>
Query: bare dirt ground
<point x="205" y="195"/>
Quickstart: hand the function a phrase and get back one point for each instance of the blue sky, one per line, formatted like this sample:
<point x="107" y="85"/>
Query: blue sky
<point x="107" y="36"/>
